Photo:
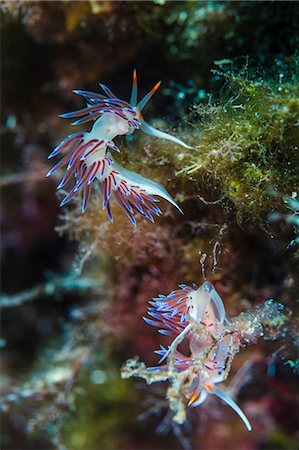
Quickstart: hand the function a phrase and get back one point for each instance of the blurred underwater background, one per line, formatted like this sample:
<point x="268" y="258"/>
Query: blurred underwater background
<point x="75" y="287"/>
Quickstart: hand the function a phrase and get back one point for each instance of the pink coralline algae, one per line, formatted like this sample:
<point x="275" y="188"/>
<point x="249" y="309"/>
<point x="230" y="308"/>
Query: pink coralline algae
<point x="87" y="155"/>
<point x="198" y="315"/>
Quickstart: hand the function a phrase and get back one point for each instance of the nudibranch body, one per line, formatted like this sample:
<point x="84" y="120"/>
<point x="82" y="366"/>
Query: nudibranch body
<point x="87" y="155"/>
<point x="199" y="315"/>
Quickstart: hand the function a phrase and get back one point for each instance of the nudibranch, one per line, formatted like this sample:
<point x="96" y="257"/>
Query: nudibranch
<point x="199" y="315"/>
<point x="87" y="155"/>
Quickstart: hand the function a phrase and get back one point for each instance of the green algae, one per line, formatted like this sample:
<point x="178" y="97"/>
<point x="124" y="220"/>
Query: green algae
<point x="249" y="145"/>
<point x="245" y="146"/>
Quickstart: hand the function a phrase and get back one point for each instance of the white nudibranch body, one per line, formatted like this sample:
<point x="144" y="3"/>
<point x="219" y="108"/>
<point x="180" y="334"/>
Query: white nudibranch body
<point x="197" y="314"/>
<point x="87" y="155"/>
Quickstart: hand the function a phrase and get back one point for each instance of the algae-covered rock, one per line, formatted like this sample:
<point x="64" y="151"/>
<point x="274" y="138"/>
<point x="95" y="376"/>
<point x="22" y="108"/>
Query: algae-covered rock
<point x="76" y="286"/>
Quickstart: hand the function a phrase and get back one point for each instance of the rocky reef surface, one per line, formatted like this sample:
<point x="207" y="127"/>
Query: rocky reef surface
<point x="75" y="286"/>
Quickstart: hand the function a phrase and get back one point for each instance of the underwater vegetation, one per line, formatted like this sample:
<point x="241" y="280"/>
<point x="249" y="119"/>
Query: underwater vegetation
<point x="245" y="145"/>
<point x="249" y="145"/>
<point x="76" y="285"/>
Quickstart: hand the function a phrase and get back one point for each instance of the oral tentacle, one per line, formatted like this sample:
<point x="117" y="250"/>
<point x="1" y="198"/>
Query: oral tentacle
<point x="230" y="402"/>
<point x="147" y="129"/>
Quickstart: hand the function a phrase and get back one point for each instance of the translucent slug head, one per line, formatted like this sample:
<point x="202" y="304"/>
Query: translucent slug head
<point x="206" y="306"/>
